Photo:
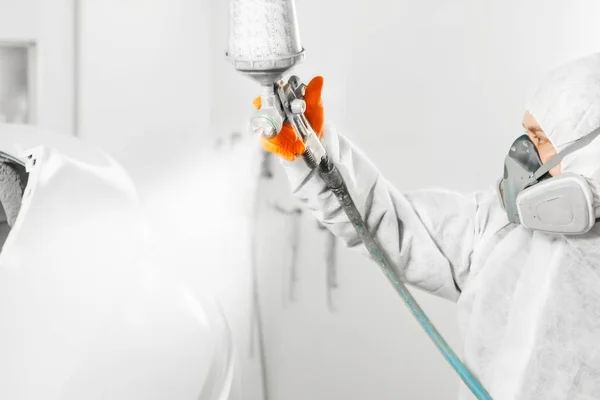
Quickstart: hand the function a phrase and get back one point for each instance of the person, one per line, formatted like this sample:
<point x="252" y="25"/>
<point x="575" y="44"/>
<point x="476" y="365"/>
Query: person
<point x="528" y="299"/>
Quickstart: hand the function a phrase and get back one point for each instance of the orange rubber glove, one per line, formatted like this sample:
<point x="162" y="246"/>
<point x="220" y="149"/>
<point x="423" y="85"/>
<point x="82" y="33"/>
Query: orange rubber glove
<point x="286" y="145"/>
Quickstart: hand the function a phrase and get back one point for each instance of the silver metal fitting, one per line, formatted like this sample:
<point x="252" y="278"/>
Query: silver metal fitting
<point x="267" y="122"/>
<point x="298" y="106"/>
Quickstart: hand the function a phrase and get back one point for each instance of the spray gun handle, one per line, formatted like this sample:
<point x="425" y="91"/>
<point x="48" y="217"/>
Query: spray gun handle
<point x="285" y="102"/>
<point x="315" y="152"/>
<point x="292" y="98"/>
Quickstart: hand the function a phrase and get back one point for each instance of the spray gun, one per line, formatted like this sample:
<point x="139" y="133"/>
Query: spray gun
<point x="264" y="43"/>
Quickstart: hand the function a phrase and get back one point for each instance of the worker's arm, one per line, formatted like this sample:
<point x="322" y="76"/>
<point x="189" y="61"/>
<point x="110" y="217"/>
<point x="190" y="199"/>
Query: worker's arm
<point x="428" y="236"/>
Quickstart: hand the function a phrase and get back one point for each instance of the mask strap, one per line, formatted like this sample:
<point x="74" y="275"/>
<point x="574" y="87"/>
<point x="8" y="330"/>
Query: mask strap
<point x="556" y="159"/>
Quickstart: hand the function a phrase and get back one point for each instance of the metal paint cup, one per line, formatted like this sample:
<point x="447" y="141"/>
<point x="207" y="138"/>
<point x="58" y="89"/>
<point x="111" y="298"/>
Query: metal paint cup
<point x="264" y="40"/>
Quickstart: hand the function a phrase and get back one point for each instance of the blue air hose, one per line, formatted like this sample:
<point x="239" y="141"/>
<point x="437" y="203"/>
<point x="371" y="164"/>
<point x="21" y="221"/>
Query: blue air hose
<point x="334" y="180"/>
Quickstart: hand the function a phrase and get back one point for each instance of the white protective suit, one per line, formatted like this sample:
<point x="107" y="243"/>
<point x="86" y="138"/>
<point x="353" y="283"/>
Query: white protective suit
<point x="529" y="302"/>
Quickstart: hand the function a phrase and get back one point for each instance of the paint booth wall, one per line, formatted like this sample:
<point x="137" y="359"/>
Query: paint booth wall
<point x="49" y="25"/>
<point x="433" y="92"/>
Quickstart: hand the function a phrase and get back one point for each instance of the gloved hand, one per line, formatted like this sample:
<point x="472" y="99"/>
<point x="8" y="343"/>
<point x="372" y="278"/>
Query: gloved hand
<point x="286" y="145"/>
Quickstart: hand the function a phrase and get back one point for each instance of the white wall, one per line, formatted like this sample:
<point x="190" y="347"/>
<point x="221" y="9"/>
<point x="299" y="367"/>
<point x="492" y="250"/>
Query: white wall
<point x="48" y="23"/>
<point x="433" y="92"/>
<point x="144" y="73"/>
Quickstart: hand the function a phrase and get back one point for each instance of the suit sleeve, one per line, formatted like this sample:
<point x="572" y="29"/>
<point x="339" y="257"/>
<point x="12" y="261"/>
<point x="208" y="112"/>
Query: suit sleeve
<point x="428" y="236"/>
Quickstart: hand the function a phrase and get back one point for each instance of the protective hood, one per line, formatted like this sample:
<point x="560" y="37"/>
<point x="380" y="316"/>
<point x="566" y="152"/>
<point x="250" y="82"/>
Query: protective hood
<point x="84" y="314"/>
<point x="567" y="107"/>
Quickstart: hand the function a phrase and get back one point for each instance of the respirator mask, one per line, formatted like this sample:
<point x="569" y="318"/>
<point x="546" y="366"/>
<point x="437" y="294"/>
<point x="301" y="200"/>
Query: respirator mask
<point x="533" y="198"/>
